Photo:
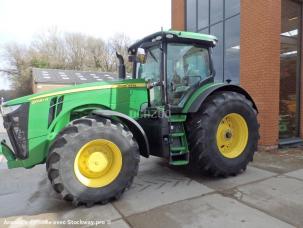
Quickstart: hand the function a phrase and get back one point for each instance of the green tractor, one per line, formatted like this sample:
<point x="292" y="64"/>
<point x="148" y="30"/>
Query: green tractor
<point x="91" y="136"/>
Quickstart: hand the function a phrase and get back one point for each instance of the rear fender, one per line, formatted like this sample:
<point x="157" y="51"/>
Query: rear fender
<point x="198" y="102"/>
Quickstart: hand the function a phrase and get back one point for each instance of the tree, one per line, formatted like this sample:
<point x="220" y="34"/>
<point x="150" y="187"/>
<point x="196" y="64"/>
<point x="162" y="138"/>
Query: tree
<point x="19" y="70"/>
<point x="57" y="50"/>
<point x="120" y="43"/>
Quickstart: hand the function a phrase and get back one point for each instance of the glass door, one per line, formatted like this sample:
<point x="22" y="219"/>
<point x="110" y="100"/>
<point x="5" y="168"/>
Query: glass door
<point x="290" y="69"/>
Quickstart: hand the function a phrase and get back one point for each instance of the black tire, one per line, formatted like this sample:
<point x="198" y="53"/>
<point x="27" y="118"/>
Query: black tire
<point x="62" y="154"/>
<point x="202" y="128"/>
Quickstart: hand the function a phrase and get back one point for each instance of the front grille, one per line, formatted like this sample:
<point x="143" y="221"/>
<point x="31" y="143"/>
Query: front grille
<point x="16" y="124"/>
<point x="55" y="108"/>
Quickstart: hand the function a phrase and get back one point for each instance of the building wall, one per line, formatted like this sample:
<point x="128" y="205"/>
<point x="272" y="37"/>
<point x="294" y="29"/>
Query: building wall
<point x="177" y="14"/>
<point x="301" y="94"/>
<point x="220" y="18"/>
<point x="260" y="62"/>
<point x="41" y="87"/>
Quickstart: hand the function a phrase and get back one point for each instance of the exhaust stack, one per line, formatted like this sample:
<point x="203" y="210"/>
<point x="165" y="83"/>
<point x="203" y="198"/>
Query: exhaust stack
<point x="122" y="73"/>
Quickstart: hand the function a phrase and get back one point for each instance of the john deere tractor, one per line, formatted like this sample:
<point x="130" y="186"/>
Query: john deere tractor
<point x="91" y="136"/>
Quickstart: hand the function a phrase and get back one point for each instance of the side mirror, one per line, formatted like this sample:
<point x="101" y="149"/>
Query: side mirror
<point x="141" y="56"/>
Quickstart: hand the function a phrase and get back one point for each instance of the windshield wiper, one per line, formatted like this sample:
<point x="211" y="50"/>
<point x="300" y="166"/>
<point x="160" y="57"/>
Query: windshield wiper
<point x="152" y="55"/>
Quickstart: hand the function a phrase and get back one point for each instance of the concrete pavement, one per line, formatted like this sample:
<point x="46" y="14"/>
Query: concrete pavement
<point x="268" y="194"/>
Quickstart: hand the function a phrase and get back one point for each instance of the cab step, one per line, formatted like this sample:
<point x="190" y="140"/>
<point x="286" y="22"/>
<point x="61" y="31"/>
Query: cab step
<point x="177" y="134"/>
<point x="180" y="162"/>
<point x="179" y="152"/>
<point x="181" y="148"/>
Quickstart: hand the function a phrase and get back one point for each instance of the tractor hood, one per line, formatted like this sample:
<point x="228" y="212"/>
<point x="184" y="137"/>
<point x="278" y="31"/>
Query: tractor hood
<point x="131" y="83"/>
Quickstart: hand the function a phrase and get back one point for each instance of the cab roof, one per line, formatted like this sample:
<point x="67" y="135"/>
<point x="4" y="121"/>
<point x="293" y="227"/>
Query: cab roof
<point x="176" y="35"/>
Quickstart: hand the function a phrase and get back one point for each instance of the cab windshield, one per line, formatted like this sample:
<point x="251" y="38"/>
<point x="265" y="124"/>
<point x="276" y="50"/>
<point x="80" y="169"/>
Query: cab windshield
<point x="150" y="70"/>
<point x="187" y="65"/>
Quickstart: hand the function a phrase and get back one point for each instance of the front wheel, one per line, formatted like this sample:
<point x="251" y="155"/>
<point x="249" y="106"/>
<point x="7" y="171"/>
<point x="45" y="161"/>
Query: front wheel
<point x="223" y="135"/>
<point x="93" y="161"/>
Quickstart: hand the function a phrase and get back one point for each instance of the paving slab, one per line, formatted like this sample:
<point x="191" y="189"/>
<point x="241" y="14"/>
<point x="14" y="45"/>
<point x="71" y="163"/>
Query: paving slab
<point x="281" y="197"/>
<point x="28" y="192"/>
<point x="281" y="161"/>
<point x="118" y="224"/>
<point x="157" y="185"/>
<point x="208" y="211"/>
<point x="250" y="175"/>
<point x="296" y="174"/>
<point x="76" y="218"/>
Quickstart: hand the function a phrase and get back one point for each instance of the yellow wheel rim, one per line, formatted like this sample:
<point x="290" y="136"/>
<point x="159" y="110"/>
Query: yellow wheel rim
<point x="232" y="135"/>
<point x="98" y="163"/>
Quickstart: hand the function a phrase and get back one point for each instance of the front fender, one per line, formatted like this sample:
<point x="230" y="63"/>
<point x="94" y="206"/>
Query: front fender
<point x="132" y="125"/>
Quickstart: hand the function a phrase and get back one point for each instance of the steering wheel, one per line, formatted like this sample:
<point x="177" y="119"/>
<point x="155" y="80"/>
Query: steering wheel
<point x="186" y="79"/>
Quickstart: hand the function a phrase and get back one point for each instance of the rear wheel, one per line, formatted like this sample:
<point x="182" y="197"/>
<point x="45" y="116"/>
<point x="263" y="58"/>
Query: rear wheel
<point x="93" y="161"/>
<point x="223" y="135"/>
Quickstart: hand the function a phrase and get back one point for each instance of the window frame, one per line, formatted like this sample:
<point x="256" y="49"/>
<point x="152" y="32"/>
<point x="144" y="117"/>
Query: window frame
<point x="162" y="45"/>
<point x="211" y="69"/>
<point x="206" y="79"/>
<point x="160" y="63"/>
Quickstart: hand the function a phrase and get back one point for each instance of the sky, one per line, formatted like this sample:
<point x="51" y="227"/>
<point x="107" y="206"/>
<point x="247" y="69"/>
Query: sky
<point x="22" y="20"/>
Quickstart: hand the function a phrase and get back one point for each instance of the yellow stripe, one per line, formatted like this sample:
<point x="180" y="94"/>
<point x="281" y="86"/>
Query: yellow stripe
<point x="134" y="85"/>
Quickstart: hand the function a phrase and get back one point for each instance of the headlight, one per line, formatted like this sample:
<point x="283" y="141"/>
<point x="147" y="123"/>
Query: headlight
<point x="8" y="109"/>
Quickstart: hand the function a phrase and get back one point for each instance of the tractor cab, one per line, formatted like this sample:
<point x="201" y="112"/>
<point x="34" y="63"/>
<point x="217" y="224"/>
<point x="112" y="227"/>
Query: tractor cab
<point x="174" y="64"/>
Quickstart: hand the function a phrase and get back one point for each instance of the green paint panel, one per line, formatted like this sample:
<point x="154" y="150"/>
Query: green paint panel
<point x="125" y="96"/>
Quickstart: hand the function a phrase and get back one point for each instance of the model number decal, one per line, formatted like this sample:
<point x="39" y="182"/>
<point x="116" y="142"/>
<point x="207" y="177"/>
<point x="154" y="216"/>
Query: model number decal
<point x="127" y="86"/>
<point x="39" y="100"/>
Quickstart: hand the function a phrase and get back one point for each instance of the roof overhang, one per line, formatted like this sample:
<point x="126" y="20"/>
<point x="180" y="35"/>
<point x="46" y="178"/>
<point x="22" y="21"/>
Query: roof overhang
<point x="175" y="36"/>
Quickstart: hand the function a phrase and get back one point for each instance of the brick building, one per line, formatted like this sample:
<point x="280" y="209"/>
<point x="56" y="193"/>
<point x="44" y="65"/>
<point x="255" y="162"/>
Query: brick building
<point x="260" y="48"/>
